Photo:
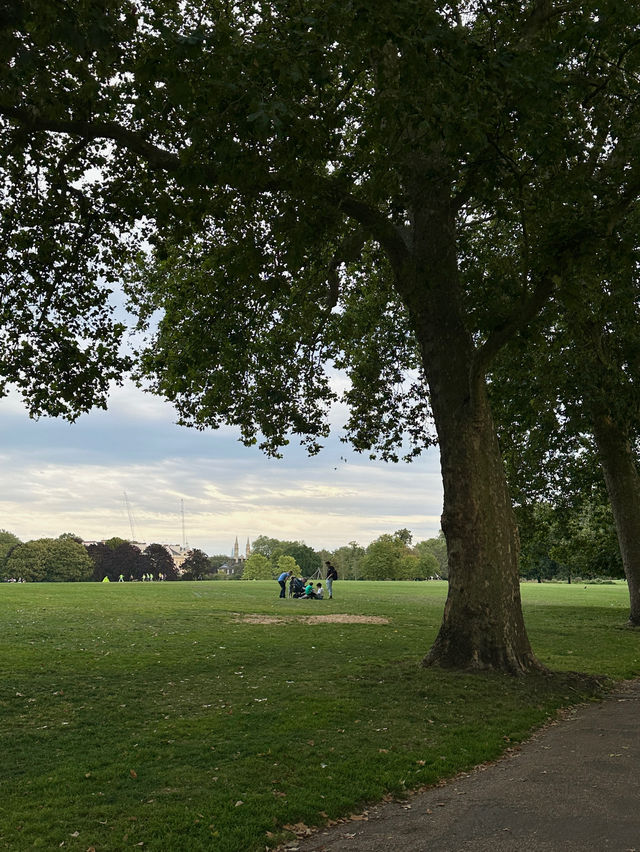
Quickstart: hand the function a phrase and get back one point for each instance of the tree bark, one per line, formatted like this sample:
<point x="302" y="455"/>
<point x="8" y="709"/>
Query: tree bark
<point x="483" y="625"/>
<point x="623" y="486"/>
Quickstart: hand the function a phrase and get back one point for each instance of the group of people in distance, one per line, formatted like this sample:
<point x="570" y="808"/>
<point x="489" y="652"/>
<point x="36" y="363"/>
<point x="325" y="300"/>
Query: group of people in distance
<point x="299" y="588"/>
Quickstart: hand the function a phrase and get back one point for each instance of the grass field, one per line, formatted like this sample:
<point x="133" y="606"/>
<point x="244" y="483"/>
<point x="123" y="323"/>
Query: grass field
<point x="157" y="716"/>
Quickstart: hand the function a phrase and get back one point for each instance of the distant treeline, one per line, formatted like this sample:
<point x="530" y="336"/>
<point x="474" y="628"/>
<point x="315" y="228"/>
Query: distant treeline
<point x="557" y="543"/>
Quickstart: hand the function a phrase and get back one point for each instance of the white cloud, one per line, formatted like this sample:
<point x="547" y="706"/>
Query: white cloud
<point x="56" y="477"/>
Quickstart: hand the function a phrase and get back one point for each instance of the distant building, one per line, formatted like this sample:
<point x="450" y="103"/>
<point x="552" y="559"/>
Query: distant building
<point x="235" y="565"/>
<point x="178" y="553"/>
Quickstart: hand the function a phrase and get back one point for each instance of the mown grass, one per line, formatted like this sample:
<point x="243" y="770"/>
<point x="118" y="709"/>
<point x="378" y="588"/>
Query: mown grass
<point x="150" y="715"/>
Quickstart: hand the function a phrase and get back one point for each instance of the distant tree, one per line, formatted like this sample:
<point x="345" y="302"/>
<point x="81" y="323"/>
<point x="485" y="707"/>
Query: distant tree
<point x="269" y="547"/>
<point x="50" y="560"/>
<point x="347" y="560"/>
<point x="160" y="562"/>
<point x="28" y="561"/>
<point x="115" y="542"/>
<point x="427" y="565"/>
<point x="196" y="565"/>
<point x="67" y="560"/>
<point x="383" y="557"/>
<point x="124" y="559"/>
<point x="411" y="567"/>
<point x="437" y="547"/>
<point x="97" y="553"/>
<point x="8" y="541"/>
<point x="70" y="536"/>
<point x="390" y="557"/>
<point x="537" y="524"/>
<point x="570" y="542"/>
<point x="404" y="535"/>
<point x="307" y="558"/>
<point x="216" y="562"/>
<point x="258" y="567"/>
<point x="288" y="563"/>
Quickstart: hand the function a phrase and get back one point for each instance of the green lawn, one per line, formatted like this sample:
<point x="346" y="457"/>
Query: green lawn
<point x="153" y="716"/>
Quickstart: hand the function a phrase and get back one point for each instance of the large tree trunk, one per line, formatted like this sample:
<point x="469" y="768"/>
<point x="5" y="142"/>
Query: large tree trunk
<point x="623" y="485"/>
<point x="483" y="626"/>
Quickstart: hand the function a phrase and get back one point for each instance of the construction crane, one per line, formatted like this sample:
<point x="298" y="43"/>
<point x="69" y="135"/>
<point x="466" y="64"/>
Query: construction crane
<point x="184" y="535"/>
<point x="130" y="514"/>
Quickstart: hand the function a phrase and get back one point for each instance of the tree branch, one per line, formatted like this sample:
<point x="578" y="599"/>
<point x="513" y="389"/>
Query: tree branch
<point x="29" y="118"/>
<point x="527" y="310"/>
<point x="381" y="228"/>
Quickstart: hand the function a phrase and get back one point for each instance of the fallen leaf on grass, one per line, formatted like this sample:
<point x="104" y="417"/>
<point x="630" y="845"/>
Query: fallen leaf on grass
<point x="133" y="773"/>
<point x="299" y="828"/>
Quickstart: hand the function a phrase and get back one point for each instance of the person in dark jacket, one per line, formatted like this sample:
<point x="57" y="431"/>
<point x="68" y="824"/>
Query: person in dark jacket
<point x="332" y="575"/>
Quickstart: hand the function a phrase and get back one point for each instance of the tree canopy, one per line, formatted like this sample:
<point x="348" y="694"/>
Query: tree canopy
<point x="160" y="562"/>
<point x="196" y="565"/>
<point x="49" y="560"/>
<point x="390" y="557"/>
<point x="292" y="190"/>
<point x="8" y="541"/>
<point x="258" y="567"/>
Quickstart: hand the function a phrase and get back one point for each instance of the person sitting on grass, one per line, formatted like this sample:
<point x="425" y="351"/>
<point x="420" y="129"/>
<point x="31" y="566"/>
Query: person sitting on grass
<point x="313" y="594"/>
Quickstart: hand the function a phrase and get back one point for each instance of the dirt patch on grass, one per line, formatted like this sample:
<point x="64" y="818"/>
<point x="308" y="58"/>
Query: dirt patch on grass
<point x="312" y="619"/>
<point x="344" y="619"/>
<point x="258" y="619"/>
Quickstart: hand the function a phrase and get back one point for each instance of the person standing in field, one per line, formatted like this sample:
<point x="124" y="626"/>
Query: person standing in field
<point x="282" y="580"/>
<point x="332" y="575"/>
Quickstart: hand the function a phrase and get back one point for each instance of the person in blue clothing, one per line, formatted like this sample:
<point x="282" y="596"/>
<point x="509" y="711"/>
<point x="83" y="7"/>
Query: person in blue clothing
<point x="282" y="579"/>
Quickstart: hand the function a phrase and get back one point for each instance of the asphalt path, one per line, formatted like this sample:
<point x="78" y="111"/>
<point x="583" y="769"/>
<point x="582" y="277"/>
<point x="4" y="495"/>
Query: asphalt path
<point x="574" y="786"/>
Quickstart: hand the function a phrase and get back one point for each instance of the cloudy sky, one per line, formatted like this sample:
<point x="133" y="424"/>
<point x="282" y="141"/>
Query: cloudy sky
<point x="57" y="477"/>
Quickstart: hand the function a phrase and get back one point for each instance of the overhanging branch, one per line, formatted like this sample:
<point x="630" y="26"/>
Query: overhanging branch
<point x="157" y="157"/>
<point x="526" y="311"/>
